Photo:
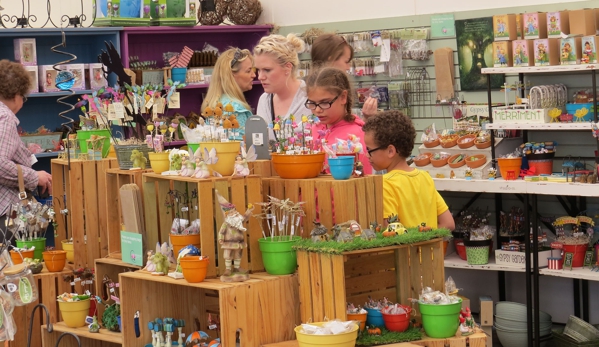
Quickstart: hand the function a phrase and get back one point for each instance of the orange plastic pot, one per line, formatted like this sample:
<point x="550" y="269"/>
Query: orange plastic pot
<point x="359" y="318"/>
<point x="55" y="260"/>
<point x="194" y="269"/>
<point x="180" y="241"/>
<point x="298" y="166"/>
<point x="18" y="258"/>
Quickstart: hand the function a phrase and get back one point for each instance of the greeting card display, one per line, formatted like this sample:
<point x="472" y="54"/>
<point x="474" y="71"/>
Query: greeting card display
<point x="589" y="49"/>
<point x="535" y="25"/>
<point x="570" y="50"/>
<point x="25" y="52"/>
<point x="95" y="77"/>
<point x="523" y="52"/>
<point x="47" y="78"/>
<point x="582" y="22"/>
<point x="504" y="27"/>
<point x="502" y="54"/>
<point x="78" y="70"/>
<point x="32" y="71"/>
<point x="546" y="52"/>
<point x="558" y="23"/>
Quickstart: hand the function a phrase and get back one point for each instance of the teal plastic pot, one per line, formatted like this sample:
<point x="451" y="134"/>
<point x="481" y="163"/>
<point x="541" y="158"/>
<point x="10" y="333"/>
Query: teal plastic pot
<point x="39" y="244"/>
<point x="179" y="74"/>
<point x="440" y="321"/>
<point x="341" y="167"/>
<point x="374" y="318"/>
<point x="277" y="254"/>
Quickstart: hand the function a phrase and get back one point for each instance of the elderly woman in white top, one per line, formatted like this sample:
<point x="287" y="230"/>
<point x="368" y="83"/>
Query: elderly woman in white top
<point x="276" y="61"/>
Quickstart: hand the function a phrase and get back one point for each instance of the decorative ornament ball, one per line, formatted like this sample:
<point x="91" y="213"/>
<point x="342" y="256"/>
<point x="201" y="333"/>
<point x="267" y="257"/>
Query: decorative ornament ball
<point x="64" y="80"/>
<point x="244" y="12"/>
<point x="212" y="12"/>
<point x="190" y="250"/>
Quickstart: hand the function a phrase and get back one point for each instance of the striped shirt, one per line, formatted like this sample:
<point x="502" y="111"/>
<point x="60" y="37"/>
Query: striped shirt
<point x="12" y="151"/>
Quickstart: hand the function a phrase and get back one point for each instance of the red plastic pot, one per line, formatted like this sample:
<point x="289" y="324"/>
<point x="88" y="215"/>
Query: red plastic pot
<point x="397" y="322"/>
<point x="579" y="252"/>
<point x="460" y="248"/>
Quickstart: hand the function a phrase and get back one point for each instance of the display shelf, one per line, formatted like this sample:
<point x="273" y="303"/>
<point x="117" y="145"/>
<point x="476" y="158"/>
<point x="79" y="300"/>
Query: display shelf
<point x="540" y="126"/>
<point x="55" y="94"/>
<point x="104" y="335"/>
<point x="519" y="186"/>
<point x="454" y="261"/>
<point x="47" y="155"/>
<point x="577" y="273"/>
<point x="445" y="170"/>
<point x="540" y="69"/>
<point x="206" y="85"/>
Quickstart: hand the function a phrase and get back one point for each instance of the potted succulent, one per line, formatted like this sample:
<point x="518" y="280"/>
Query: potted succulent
<point x="35" y="265"/>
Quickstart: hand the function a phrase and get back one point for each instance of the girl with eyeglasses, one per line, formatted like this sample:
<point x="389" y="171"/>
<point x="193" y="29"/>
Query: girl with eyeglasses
<point x="276" y="63"/>
<point x="233" y="74"/>
<point x="333" y="51"/>
<point x="330" y="98"/>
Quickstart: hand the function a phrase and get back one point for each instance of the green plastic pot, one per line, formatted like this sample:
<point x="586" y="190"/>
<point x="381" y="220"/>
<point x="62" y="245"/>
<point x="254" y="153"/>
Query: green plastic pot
<point x="40" y="246"/>
<point x="277" y="254"/>
<point x="83" y="135"/>
<point x="440" y="321"/>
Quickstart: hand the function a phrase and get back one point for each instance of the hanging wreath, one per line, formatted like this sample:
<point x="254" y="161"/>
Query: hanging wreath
<point x="244" y="12"/>
<point x="212" y="12"/>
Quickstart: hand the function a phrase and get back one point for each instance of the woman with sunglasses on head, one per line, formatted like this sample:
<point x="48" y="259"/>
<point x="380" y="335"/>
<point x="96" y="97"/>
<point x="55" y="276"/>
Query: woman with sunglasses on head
<point x="233" y="74"/>
<point x="330" y="98"/>
<point x="276" y="63"/>
<point x="332" y="50"/>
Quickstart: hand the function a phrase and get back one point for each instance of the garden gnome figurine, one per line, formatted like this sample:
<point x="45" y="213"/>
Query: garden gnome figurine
<point x="232" y="240"/>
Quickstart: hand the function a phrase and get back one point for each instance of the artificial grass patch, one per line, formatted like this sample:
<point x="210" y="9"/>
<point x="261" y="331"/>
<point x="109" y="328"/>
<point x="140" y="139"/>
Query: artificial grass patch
<point x="334" y="247"/>
<point x="388" y="337"/>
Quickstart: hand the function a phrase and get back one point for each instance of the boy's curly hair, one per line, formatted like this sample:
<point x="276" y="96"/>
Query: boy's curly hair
<point x="392" y="128"/>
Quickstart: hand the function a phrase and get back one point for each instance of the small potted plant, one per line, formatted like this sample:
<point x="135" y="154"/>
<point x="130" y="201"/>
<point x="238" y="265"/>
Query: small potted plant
<point x="35" y="265"/>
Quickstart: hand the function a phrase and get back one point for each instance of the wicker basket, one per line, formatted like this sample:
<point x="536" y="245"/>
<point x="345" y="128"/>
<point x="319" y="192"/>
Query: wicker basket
<point x="123" y="154"/>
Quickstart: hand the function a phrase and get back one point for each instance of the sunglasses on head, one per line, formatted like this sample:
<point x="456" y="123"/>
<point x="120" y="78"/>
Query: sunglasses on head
<point x="238" y="55"/>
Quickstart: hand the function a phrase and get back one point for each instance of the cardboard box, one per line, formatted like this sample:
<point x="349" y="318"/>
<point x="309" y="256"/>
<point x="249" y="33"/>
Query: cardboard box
<point x="505" y="27"/>
<point x="465" y="302"/>
<point x="502" y="54"/>
<point x="486" y="311"/>
<point x="489" y="332"/>
<point x="25" y="52"/>
<point x="32" y="71"/>
<point x="570" y="50"/>
<point x="95" y="76"/>
<point x="535" y="25"/>
<point x="546" y="52"/>
<point x="518" y="259"/>
<point x="582" y="22"/>
<point x="558" y="23"/>
<point x="47" y="78"/>
<point x="589" y="49"/>
<point x="523" y="51"/>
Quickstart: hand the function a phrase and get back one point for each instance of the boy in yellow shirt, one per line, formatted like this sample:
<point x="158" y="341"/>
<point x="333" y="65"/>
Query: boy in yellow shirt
<point x="408" y="192"/>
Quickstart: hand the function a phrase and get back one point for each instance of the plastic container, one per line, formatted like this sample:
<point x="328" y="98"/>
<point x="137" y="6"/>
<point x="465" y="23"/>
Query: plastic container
<point x="347" y="339"/>
<point x="179" y="74"/>
<point x="477" y="252"/>
<point x="511" y="164"/>
<point x="159" y="162"/>
<point x="374" y="318"/>
<point x="572" y="108"/>
<point x="55" y="260"/>
<point x="358" y="318"/>
<point x="194" y="269"/>
<point x="18" y="256"/>
<point x="440" y="321"/>
<point x="226" y="153"/>
<point x="298" y="166"/>
<point x="123" y="155"/>
<point x="84" y="135"/>
<point x="397" y="322"/>
<point x="180" y="241"/>
<point x="341" y="167"/>
<point x="579" y="252"/>
<point x="74" y="313"/>
<point x="460" y="248"/>
<point x="580" y="330"/>
<point x="542" y="167"/>
<point x="278" y="255"/>
<point x="19" y="283"/>
<point x="69" y="247"/>
<point x="480" y="160"/>
<point x="39" y="244"/>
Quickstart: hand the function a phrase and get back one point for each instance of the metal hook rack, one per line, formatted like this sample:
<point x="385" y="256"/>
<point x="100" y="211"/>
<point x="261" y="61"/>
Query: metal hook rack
<point x="26" y="18"/>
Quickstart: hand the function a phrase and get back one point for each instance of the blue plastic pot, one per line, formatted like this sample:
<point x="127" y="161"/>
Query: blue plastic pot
<point x="374" y="318"/>
<point x="341" y="167"/>
<point x="179" y="74"/>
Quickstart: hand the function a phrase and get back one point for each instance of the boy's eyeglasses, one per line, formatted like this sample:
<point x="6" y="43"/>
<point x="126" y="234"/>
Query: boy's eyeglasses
<point x="311" y="105"/>
<point x="374" y="150"/>
<point x="238" y="55"/>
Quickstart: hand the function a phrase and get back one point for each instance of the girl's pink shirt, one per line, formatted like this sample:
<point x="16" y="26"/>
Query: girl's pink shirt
<point x="341" y="131"/>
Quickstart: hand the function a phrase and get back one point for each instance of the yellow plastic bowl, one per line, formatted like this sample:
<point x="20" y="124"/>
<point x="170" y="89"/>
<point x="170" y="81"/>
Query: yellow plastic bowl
<point x="341" y="340"/>
<point x="226" y="153"/>
<point x="74" y="313"/>
<point x="159" y="162"/>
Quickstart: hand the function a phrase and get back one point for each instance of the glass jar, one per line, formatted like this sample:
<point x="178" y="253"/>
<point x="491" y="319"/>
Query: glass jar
<point x="19" y="283"/>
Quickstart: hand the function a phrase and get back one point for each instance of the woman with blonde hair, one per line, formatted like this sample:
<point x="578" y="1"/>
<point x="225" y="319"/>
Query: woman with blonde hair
<point x="233" y="74"/>
<point x="277" y="62"/>
<point x="333" y="50"/>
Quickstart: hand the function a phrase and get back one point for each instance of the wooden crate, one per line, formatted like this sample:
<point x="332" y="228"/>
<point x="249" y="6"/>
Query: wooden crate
<point x="115" y="179"/>
<point x="240" y="191"/>
<point x="104" y="338"/>
<point x="49" y="286"/>
<point x="361" y="199"/>
<point x="329" y="282"/>
<point x="263" y="309"/>
<point x="112" y="268"/>
<point x="82" y="184"/>
<point x="262" y="168"/>
<point x="478" y="339"/>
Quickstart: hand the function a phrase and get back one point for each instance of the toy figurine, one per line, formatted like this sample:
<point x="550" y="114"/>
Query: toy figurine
<point x="468" y="174"/>
<point x="241" y="162"/>
<point x="160" y="259"/>
<point x="368" y="234"/>
<point x="423" y="227"/>
<point x="319" y="233"/>
<point x="467" y="325"/>
<point x="138" y="159"/>
<point x="232" y="240"/>
<point x="150" y="266"/>
<point x="492" y="173"/>
<point x="341" y="234"/>
<point x="187" y="169"/>
<point x="452" y="174"/>
<point x="175" y="160"/>
<point x="196" y="339"/>
<point x="94" y="327"/>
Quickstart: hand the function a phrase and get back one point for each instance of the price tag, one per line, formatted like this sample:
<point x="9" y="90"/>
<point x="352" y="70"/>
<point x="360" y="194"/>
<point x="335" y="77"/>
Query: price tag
<point x="150" y="103"/>
<point x="175" y="101"/>
<point x="119" y="110"/>
<point x="257" y="139"/>
<point x="111" y="113"/>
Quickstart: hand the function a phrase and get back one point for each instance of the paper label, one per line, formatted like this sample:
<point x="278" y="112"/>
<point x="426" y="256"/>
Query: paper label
<point x="119" y="110"/>
<point x="174" y="101"/>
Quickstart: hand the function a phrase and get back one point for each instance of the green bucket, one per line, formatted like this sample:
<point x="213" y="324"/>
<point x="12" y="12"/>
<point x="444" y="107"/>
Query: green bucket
<point x="39" y="244"/>
<point x="278" y="255"/>
<point x="83" y="135"/>
<point x="440" y="321"/>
